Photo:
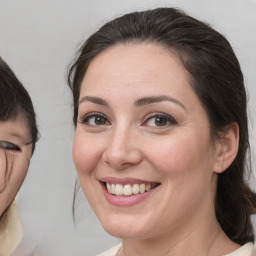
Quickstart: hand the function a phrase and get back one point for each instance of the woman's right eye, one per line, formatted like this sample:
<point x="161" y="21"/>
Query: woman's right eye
<point x="8" y="146"/>
<point x="95" y="120"/>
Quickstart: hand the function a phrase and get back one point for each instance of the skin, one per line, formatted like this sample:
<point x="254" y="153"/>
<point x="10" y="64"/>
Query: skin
<point x="178" y="218"/>
<point x="13" y="163"/>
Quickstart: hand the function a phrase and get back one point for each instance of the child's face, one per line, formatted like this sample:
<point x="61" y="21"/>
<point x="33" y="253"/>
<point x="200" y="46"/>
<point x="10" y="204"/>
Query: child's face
<point x="15" y="154"/>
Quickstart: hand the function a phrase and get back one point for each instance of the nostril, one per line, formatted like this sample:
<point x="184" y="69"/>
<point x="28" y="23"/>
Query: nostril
<point x="121" y="153"/>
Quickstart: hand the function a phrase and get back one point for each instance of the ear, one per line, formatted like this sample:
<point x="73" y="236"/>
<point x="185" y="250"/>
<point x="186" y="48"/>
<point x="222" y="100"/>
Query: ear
<point x="226" y="148"/>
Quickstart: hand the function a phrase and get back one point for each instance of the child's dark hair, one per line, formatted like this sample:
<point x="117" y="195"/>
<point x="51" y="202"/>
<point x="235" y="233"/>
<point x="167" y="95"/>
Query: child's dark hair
<point x="15" y="100"/>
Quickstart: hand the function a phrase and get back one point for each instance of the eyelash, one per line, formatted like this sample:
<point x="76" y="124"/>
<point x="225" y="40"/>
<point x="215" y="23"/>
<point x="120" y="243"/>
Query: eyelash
<point x="169" y="120"/>
<point x="85" y="119"/>
<point x="9" y="146"/>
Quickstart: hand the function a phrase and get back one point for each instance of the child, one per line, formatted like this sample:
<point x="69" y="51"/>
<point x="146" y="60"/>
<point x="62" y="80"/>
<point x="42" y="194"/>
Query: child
<point x="18" y="135"/>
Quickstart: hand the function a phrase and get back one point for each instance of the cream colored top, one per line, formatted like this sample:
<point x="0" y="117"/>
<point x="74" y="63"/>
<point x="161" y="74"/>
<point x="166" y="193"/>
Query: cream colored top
<point x="10" y="231"/>
<point x="245" y="250"/>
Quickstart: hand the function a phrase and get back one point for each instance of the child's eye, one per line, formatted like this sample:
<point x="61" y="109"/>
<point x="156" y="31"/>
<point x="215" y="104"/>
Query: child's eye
<point x="159" y="120"/>
<point x="8" y="146"/>
<point x="95" y="119"/>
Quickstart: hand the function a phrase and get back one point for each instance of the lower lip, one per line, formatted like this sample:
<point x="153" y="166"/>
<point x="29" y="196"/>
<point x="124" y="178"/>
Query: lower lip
<point x="126" y="200"/>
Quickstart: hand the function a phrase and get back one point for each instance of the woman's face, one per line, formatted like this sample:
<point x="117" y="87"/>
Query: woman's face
<point x="142" y="147"/>
<point x="14" y="158"/>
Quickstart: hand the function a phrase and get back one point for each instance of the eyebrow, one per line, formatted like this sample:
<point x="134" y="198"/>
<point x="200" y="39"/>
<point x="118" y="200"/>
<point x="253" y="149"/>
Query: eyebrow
<point x="95" y="100"/>
<point x="138" y="103"/>
<point x="156" y="99"/>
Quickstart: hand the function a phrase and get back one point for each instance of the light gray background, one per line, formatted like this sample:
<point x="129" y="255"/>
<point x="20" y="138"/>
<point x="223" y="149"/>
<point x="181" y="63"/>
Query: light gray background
<point x="38" y="39"/>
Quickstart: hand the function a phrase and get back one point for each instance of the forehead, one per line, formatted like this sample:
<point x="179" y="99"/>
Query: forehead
<point x="131" y="56"/>
<point x="137" y="66"/>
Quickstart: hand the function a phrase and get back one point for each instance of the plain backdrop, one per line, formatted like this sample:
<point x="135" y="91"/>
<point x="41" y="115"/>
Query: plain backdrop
<point x="38" y="39"/>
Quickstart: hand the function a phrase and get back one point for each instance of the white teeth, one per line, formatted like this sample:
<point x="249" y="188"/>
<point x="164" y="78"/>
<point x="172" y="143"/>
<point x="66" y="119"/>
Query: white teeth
<point x="136" y="189"/>
<point x="112" y="189"/>
<point x="108" y="187"/>
<point x="148" y="187"/>
<point x="118" y="189"/>
<point x="142" y="188"/>
<point x="127" y="190"/>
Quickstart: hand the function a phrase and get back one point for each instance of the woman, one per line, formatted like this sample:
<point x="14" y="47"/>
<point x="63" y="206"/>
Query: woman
<point x="18" y="135"/>
<point x="161" y="136"/>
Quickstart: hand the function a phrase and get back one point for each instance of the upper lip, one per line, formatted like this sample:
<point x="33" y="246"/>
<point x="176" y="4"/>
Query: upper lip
<point x="128" y="180"/>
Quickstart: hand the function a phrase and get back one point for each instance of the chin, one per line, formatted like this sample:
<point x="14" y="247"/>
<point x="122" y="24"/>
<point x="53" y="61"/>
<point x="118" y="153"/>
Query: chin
<point x="124" y="226"/>
<point x="123" y="232"/>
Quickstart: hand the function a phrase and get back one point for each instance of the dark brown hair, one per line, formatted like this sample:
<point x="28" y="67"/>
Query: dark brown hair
<point x="14" y="100"/>
<point x="215" y="76"/>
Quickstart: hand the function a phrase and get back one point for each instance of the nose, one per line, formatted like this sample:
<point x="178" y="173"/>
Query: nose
<point x="122" y="151"/>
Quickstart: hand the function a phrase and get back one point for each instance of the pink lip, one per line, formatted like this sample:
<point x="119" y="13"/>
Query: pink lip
<point x="126" y="200"/>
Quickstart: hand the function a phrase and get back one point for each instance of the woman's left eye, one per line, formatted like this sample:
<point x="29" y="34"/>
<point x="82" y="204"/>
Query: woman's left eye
<point x="8" y="146"/>
<point x="159" y="120"/>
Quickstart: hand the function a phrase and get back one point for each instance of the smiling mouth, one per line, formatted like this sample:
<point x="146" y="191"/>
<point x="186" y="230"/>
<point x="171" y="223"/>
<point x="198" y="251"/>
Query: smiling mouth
<point x="129" y="189"/>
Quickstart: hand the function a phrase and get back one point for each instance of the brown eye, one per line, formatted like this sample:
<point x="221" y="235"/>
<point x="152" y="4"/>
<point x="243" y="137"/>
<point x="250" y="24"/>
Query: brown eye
<point x="161" y="121"/>
<point x="95" y="119"/>
<point x="99" y="120"/>
<point x="8" y="146"/>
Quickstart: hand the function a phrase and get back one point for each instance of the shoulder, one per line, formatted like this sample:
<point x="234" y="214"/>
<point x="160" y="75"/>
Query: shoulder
<point x="112" y="251"/>
<point x="245" y="250"/>
<point x="10" y="230"/>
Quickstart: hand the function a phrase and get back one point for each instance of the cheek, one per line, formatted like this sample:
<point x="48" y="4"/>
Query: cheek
<point x="179" y="156"/>
<point x="19" y="172"/>
<point x="3" y="171"/>
<point x="186" y="168"/>
<point x="86" y="154"/>
<point x="13" y="169"/>
<point x="20" y="163"/>
<point x="14" y="177"/>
